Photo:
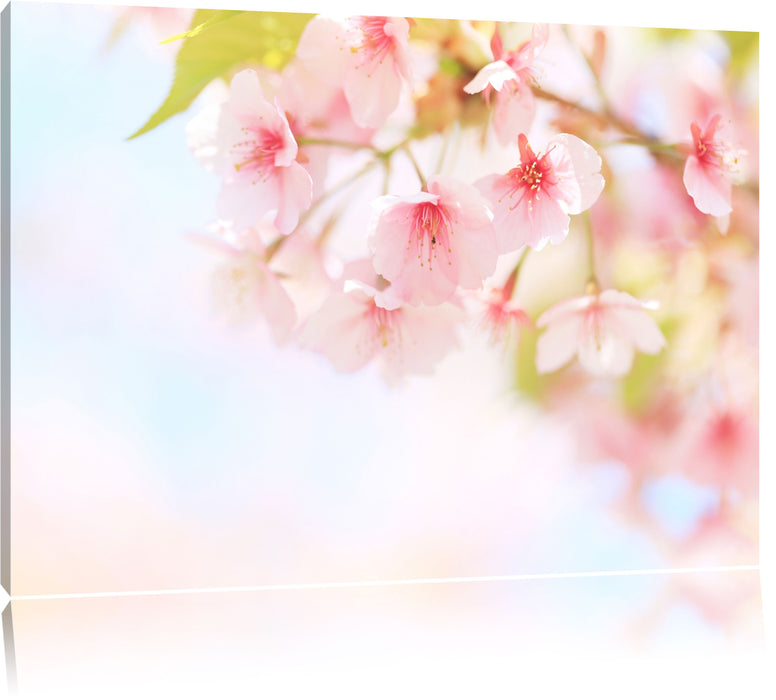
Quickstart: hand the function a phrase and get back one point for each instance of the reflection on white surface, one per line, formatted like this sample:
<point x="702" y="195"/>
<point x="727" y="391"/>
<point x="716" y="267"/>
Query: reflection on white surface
<point x="433" y="640"/>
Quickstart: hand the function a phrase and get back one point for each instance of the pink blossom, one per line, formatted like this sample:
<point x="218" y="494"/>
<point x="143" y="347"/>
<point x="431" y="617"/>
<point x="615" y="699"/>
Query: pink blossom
<point x="312" y="88"/>
<point x="244" y="286"/>
<point x="718" y="442"/>
<point x="723" y="450"/>
<point x="510" y="75"/>
<point x="710" y="169"/>
<point x="429" y="244"/>
<point x="377" y="67"/>
<point x="503" y="318"/>
<point x="255" y="152"/>
<point x="367" y="58"/>
<point x="601" y="329"/>
<point x="362" y="323"/>
<point x="532" y="201"/>
<point x="629" y="212"/>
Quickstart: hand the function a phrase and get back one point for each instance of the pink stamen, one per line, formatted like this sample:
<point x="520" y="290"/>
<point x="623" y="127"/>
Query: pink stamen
<point x="430" y="223"/>
<point x="531" y="178"/>
<point x="376" y="44"/>
<point x="258" y="152"/>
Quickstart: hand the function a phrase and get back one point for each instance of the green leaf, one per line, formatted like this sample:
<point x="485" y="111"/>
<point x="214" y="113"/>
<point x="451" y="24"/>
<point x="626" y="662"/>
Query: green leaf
<point x="230" y="42"/>
<point x="218" y="17"/>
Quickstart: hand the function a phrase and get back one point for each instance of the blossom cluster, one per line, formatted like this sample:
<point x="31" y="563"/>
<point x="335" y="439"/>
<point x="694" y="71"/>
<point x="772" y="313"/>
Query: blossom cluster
<point x="559" y="158"/>
<point x="431" y="255"/>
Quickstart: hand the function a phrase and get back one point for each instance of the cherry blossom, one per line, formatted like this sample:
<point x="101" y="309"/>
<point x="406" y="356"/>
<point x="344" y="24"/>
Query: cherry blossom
<point x="711" y="169"/>
<point x="370" y="61"/>
<point x="503" y="317"/>
<point x="510" y="75"/>
<point x="719" y="440"/>
<point x="532" y="201"/>
<point x="244" y="286"/>
<point x="429" y="244"/>
<point x="601" y="329"/>
<point x="312" y="88"/>
<point x="366" y="321"/>
<point x="253" y="149"/>
<point x="362" y="61"/>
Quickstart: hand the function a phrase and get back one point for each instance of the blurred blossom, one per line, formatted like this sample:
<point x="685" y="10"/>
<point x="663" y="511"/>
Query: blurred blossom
<point x="510" y="75"/>
<point x="367" y="321"/>
<point x="503" y="318"/>
<point x="711" y="169"/>
<point x="602" y="329"/>
<point x="245" y="287"/>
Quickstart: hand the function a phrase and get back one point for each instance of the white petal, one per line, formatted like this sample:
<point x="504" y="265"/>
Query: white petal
<point x="495" y="74"/>
<point x="587" y="170"/>
<point x="564" y="309"/>
<point x="558" y="344"/>
<point x="639" y="328"/>
<point x="201" y="133"/>
<point x="606" y="355"/>
<point x="245" y="94"/>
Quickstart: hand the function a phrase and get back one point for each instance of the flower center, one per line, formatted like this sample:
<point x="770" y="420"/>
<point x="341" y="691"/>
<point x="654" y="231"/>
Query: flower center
<point x="375" y="42"/>
<point x="258" y="151"/>
<point x="384" y="322"/>
<point x="431" y="230"/>
<point x="529" y="180"/>
<point x="714" y="152"/>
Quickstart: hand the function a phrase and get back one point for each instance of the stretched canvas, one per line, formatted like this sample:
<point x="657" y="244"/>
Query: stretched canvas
<point x="296" y="299"/>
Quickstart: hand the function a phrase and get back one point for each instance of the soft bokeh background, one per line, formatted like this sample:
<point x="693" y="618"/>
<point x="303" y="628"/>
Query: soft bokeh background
<point x="155" y="448"/>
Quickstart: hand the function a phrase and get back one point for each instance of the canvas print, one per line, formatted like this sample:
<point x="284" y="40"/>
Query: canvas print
<point x="296" y="298"/>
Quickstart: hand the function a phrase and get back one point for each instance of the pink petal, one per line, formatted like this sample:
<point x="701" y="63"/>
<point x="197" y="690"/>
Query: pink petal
<point x="388" y="234"/>
<point x="246" y="288"/>
<point x="282" y="128"/>
<point x="246" y="97"/>
<point x="518" y="222"/>
<point x="423" y="285"/>
<point x="373" y="92"/>
<point x="471" y="207"/>
<point x="320" y="49"/>
<point x="426" y="336"/>
<point x="277" y="307"/>
<point x="342" y="331"/>
<point x="709" y="187"/>
<point x="244" y="202"/>
<point x="398" y="28"/>
<point x="295" y="195"/>
<point x="513" y="114"/>
<point x="543" y="220"/>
